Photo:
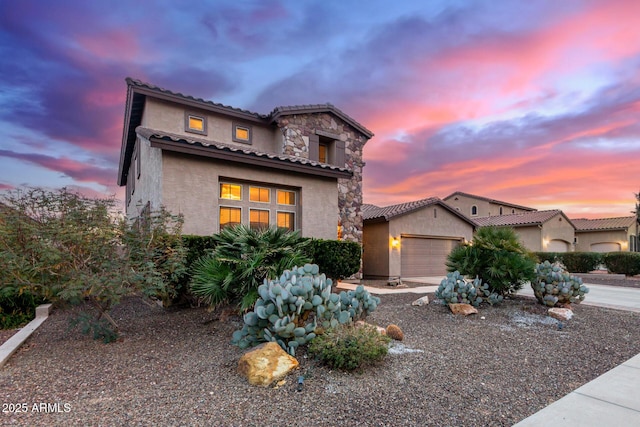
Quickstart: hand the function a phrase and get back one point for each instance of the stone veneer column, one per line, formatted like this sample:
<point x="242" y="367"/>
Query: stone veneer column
<point x="296" y="130"/>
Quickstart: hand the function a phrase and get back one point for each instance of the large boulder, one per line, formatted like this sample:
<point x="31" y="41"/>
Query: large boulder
<point x="266" y="363"/>
<point x="465" y="309"/>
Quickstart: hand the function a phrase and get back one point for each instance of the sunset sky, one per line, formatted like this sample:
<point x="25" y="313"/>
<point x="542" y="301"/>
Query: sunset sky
<point x="536" y="103"/>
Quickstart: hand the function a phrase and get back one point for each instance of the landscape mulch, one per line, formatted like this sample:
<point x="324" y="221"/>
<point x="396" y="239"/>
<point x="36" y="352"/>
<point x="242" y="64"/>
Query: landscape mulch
<point x="177" y="367"/>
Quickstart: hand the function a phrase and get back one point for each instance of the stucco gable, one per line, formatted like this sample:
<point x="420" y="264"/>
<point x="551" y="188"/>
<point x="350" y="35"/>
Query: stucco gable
<point x="486" y="199"/>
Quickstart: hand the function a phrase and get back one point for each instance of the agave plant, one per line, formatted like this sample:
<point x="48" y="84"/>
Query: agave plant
<point x="242" y="259"/>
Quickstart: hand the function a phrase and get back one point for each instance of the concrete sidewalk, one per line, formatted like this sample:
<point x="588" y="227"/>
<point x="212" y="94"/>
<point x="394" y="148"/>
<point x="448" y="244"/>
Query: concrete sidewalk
<point x="612" y="399"/>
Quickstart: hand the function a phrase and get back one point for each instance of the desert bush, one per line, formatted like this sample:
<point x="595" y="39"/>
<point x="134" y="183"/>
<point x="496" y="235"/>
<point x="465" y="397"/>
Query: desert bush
<point x="16" y="309"/>
<point x="627" y="263"/>
<point x="242" y="259"/>
<point x="454" y="289"/>
<point x="292" y="309"/>
<point x="548" y="256"/>
<point x="350" y="347"/>
<point x="581" y="262"/>
<point x="497" y="258"/>
<point x="336" y="258"/>
<point x="554" y="286"/>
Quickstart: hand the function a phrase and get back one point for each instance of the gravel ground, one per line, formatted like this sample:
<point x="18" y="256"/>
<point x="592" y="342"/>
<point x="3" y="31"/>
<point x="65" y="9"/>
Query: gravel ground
<point x="176" y="367"/>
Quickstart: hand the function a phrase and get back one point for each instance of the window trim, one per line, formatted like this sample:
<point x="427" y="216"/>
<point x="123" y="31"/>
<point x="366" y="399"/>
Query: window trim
<point x="221" y="183"/>
<point x="295" y="201"/>
<point x="187" y="127"/>
<point x="279" y="211"/>
<point x="263" y="188"/>
<point x="249" y="129"/>
<point x="220" y="207"/>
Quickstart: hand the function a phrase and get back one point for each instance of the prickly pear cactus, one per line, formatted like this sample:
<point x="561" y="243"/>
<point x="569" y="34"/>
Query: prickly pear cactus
<point x="554" y="286"/>
<point x="454" y="289"/>
<point x="290" y="309"/>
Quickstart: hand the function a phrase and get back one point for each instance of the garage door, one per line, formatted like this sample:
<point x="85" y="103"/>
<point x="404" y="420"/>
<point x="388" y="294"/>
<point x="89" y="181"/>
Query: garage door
<point x="425" y="256"/>
<point x="605" y="247"/>
<point x="558" y="246"/>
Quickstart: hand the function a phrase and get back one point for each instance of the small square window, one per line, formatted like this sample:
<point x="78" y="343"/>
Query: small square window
<point x="229" y="217"/>
<point x="259" y="194"/>
<point x="230" y="191"/>
<point x="242" y="133"/>
<point x="258" y="219"/>
<point x="286" y="220"/>
<point x="286" y="197"/>
<point x="195" y="124"/>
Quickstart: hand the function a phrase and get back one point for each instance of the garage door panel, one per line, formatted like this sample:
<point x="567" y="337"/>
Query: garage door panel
<point x="425" y="256"/>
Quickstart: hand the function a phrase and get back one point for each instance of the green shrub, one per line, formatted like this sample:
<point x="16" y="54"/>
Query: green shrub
<point x="454" y="289"/>
<point x="350" y="347"/>
<point x="496" y="257"/>
<point x="581" y="262"/>
<point x="291" y="309"/>
<point x="242" y="259"/>
<point x="627" y="263"/>
<point x="336" y="258"/>
<point x="17" y="309"/>
<point x="548" y="256"/>
<point x="554" y="286"/>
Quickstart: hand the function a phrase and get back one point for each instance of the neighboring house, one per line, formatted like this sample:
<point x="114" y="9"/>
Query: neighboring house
<point x="606" y="234"/>
<point x="298" y="167"/>
<point x="473" y="206"/>
<point x="411" y="239"/>
<point x="539" y="231"/>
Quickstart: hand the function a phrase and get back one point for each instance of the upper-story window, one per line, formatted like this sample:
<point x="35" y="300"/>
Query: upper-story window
<point x="500" y="210"/>
<point x="195" y="123"/>
<point x="474" y="210"/>
<point x="242" y="133"/>
<point x="323" y="151"/>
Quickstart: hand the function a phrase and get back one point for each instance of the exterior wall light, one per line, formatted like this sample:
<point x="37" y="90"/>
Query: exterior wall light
<point x="395" y="243"/>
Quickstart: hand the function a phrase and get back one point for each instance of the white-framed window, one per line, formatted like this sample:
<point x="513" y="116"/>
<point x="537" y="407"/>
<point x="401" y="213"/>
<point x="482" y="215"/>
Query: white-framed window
<point x="259" y="194"/>
<point x="286" y="220"/>
<point x="286" y="197"/>
<point x="230" y="191"/>
<point x="230" y="216"/>
<point x="258" y="218"/>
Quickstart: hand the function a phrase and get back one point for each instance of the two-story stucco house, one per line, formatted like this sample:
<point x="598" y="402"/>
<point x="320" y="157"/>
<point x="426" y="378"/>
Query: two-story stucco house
<point x="298" y="167"/>
<point x="473" y="206"/>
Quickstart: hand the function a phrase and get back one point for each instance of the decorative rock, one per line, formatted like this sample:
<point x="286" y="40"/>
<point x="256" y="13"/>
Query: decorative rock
<point x="562" y="314"/>
<point x="465" y="309"/>
<point x="394" y="281"/>
<point x="265" y="364"/>
<point x="421" y="301"/>
<point x="394" y="332"/>
<point x="380" y="329"/>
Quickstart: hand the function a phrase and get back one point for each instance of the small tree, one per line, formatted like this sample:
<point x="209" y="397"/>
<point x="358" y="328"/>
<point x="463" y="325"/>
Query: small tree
<point x="497" y="257"/>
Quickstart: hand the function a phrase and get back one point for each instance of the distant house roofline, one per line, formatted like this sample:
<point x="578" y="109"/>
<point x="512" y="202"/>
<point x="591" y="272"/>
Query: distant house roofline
<point x="487" y="199"/>
<point x="523" y="219"/>
<point x="604" y="224"/>
<point x="373" y="214"/>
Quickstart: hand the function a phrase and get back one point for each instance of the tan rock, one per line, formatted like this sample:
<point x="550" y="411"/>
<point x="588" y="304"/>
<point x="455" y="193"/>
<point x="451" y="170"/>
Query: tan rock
<point x="266" y="363"/>
<point x="465" y="309"/>
<point x="562" y="314"/>
<point x="421" y="301"/>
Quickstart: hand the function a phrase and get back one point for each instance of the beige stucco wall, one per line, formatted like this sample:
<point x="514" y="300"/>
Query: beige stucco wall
<point x="190" y="187"/>
<point x="421" y="222"/>
<point x="588" y="238"/>
<point x="376" y="249"/>
<point x="148" y="188"/>
<point x="558" y="228"/>
<point x="485" y="208"/>
<point x="169" y="117"/>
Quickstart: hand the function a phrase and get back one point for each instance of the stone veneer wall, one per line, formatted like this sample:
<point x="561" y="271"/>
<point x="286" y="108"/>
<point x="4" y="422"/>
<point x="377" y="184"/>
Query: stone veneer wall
<point x="296" y="130"/>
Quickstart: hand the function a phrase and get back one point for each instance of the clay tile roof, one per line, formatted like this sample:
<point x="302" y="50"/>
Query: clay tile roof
<point x="388" y="212"/>
<point x="514" y="220"/>
<point x="487" y="199"/>
<point x="601" y="224"/>
<point x="319" y="108"/>
<point x="205" y="103"/>
<point x="149" y="133"/>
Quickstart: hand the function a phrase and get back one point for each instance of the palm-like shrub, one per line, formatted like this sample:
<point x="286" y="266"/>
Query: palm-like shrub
<point x="242" y="259"/>
<point x="497" y="257"/>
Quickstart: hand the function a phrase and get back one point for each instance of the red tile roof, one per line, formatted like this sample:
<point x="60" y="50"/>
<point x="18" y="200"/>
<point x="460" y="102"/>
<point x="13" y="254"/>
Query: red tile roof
<point x="601" y="224"/>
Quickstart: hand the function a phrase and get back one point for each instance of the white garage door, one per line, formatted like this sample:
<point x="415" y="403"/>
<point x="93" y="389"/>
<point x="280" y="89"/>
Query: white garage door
<point x="557" y="246"/>
<point x="605" y="247"/>
<point x="425" y="256"/>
